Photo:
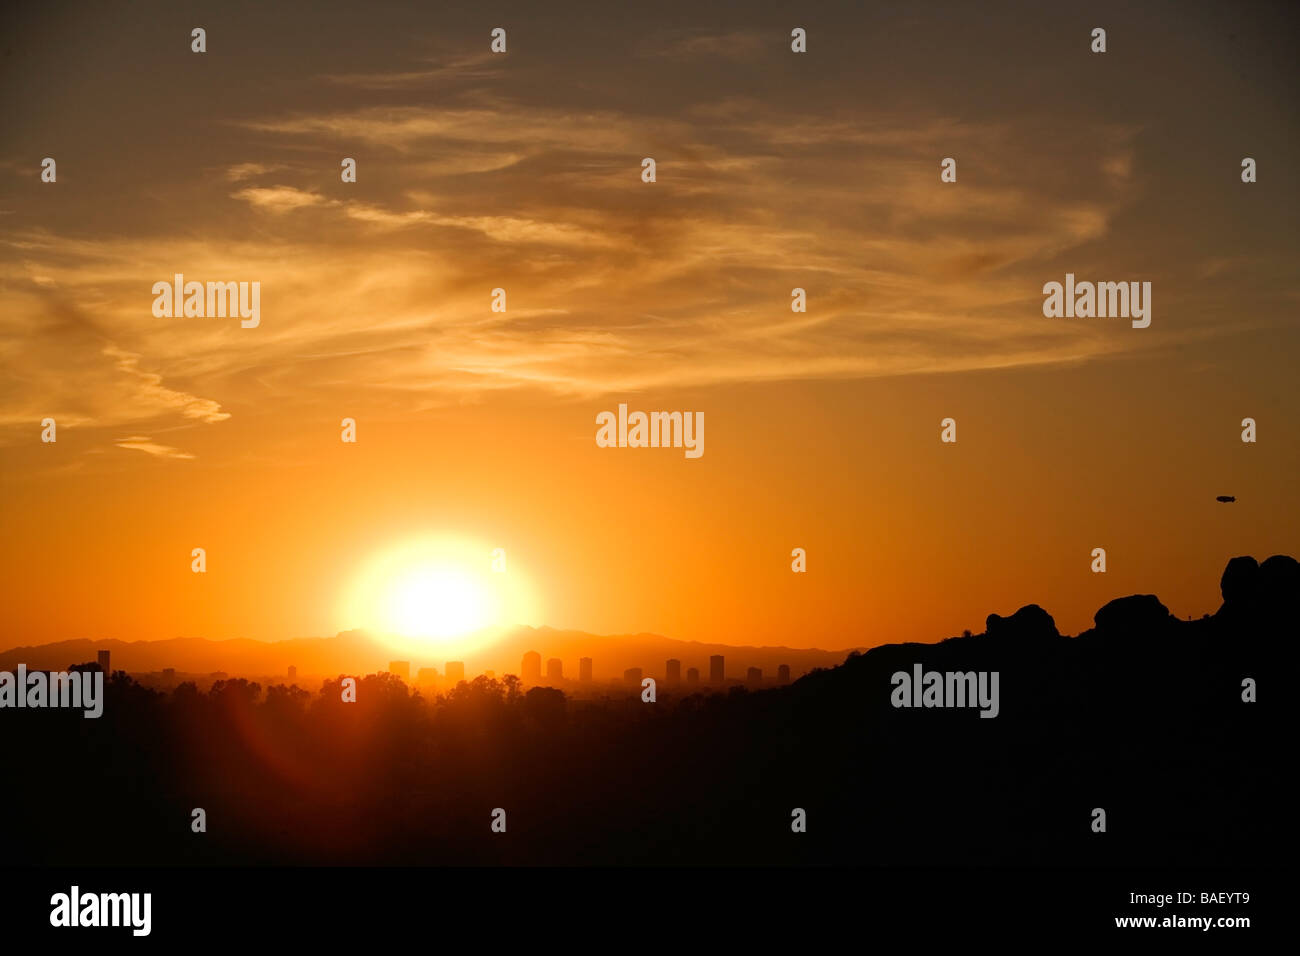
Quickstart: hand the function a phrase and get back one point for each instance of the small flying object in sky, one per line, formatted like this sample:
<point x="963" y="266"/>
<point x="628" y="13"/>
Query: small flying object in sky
<point x="1225" y="498"/>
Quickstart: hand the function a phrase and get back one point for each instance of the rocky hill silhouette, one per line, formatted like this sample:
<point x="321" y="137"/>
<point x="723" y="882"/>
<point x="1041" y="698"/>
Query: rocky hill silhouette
<point x="1145" y="717"/>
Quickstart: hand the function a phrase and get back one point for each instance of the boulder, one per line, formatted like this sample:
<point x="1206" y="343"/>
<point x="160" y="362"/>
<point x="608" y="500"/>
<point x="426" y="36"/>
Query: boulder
<point x="1240" y="582"/>
<point x="1136" y="613"/>
<point x="1030" y="622"/>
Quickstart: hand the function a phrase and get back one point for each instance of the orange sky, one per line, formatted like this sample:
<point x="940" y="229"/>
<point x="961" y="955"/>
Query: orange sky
<point x="522" y="171"/>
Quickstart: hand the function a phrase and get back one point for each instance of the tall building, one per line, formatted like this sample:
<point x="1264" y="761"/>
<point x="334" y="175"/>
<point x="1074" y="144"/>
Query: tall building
<point x="103" y="663"/>
<point x="754" y="675"/>
<point x="692" y="675"/>
<point x="715" y="669"/>
<point x="783" y="674"/>
<point x="633" y="675"/>
<point x="531" y="669"/>
<point x="584" y="668"/>
<point x="426" y="675"/>
<point x="455" y="672"/>
<point x="400" y="669"/>
<point x="554" y="669"/>
<point x="674" y="671"/>
<point x="293" y="672"/>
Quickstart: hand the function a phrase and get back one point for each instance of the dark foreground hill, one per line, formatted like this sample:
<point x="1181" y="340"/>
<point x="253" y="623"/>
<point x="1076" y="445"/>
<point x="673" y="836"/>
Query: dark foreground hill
<point x="1144" y="717"/>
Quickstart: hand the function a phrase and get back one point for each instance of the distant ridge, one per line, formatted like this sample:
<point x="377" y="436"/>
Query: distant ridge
<point x="358" y="652"/>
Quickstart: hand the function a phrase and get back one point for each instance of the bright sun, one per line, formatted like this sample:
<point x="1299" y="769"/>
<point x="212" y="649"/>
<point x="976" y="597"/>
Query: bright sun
<point x="437" y="601"/>
<point x="439" y="594"/>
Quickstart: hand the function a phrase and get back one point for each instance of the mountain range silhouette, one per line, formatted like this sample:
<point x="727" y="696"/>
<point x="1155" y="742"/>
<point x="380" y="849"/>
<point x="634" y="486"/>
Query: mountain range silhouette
<point x="358" y="652"/>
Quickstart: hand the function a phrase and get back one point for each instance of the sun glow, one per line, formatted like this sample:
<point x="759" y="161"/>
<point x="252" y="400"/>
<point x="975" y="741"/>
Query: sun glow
<point x="439" y="594"/>
<point x="435" y="601"/>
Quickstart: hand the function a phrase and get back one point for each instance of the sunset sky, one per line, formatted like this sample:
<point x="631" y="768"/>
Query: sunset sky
<point x="522" y="171"/>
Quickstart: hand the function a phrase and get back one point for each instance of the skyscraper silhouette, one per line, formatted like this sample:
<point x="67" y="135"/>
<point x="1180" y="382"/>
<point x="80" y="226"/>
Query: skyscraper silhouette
<point x="531" y="668"/>
<point x="632" y="675"/>
<point x="103" y="663"/>
<point x="673" y="671"/>
<point x="754" y="675"/>
<point x="554" y="669"/>
<point x="584" y="668"/>
<point x="715" y="669"/>
<point x="692" y="675"/>
<point x="783" y="673"/>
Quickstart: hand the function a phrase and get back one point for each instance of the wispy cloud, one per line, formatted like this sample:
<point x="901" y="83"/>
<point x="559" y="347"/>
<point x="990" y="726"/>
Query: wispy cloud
<point x="150" y="447"/>
<point x="613" y="284"/>
<point x="460" y="69"/>
<point x="148" y="389"/>
<point x="277" y="198"/>
<point x="734" y="45"/>
<point x="241" y="171"/>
